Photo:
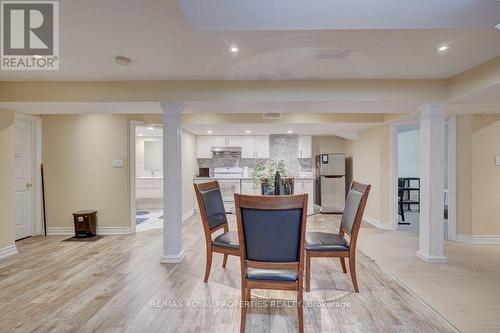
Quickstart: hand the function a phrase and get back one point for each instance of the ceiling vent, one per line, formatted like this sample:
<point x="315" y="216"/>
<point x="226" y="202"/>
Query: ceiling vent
<point x="271" y="115"/>
<point x="333" y="54"/>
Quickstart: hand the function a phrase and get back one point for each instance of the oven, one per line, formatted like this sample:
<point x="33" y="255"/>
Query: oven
<point x="228" y="188"/>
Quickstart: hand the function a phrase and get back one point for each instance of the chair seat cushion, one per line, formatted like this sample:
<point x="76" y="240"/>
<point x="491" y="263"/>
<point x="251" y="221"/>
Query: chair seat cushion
<point x="271" y="274"/>
<point x="323" y="241"/>
<point x="228" y="239"/>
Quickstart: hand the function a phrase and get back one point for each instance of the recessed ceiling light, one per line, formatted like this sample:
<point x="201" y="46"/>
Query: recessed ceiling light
<point x="121" y="60"/>
<point x="209" y="132"/>
<point x="248" y="131"/>
<point x="289" y="131"/>
<point x="151" y="128"/>
<point x="234" y="49"/>
<point x="443" y="48"/>
<point x="141" y="135"/>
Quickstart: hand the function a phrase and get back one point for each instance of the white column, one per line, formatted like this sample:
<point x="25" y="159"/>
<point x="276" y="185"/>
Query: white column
<point x="432" y="131"/>
<point x="172" y="204"/>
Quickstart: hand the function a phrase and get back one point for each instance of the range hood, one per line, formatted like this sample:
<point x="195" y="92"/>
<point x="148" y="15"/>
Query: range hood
<point x="226" y="151"/>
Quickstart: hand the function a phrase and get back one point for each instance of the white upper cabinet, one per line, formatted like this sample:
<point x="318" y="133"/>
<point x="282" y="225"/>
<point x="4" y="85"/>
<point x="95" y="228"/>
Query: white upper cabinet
<point x="255" y="146"/>
<point x="232" y="141"/>
<point x="204" y="146"/>
<point x="305" y="146"/>
<point x="248" y="146"/>
<point x="262" y="146"/>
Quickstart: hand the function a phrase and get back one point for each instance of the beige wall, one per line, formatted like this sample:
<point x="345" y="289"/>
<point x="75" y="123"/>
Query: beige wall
<point x="486" y="180"/>
<point x="478" y="142"/>
<point x="371" y="165"/>
<point x="189" y="170"/>
<point x="322" y="144"/>
<point x="78" y="152"/>
<point x="7" y="189"/>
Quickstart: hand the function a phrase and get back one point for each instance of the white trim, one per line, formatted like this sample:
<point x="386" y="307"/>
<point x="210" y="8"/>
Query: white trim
<point x="393" y="179"/>
<point x="431" y="259"/>
<point x="172" y="259"/>
<point x="187" y="215"/>
<point x="377" y="223"/>
<point x="452" y="178"/>
<point x="478" y="239"/>
<point x="132" y="181"/>
<point x="8" y="251"/>
<point x="62" y="231"/>
<point x="36" y="135"/>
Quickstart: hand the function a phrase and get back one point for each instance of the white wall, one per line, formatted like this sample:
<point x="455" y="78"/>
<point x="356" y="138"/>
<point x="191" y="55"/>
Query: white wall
<point x="139" y="157"/>
<point x="189" y="170"/>
<point x="409" y="153"/>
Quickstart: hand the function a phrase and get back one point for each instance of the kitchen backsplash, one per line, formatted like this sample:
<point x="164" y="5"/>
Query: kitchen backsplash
<point x="281" y="147"/>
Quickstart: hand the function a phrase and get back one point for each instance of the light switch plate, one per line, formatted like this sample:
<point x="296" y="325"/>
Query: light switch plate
<point x="117" y="163"/>
<point x="497" y="160"/>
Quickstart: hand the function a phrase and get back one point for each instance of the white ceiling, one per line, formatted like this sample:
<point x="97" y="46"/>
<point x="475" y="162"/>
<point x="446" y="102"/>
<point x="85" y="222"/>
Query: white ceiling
<point x="163" y="45"/>
<point x="261" y="15"/>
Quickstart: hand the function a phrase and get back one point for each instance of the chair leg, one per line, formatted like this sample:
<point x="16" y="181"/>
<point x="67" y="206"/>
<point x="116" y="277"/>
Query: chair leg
<point x="308" y="272"/>
<point x="224" y="262"/>
<point x="244" y="293"/>
<point x="300" y="309"/>
<point x="208" y="265"/>
<point x="342" y="263"/>
<point x="352" y="269"/>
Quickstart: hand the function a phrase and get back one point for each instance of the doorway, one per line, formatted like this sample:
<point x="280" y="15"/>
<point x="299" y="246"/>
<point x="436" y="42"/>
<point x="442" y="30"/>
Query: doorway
<point x="148" y="143"/>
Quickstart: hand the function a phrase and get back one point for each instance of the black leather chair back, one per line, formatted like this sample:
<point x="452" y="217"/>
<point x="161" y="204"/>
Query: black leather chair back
<point x="214" y="207"/>
<point x="351" y="209"/>
<point x="272" y="235"/>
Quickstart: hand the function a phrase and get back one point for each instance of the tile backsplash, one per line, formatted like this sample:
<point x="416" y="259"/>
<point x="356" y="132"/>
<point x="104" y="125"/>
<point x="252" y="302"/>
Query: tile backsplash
<point x="281" y="147"/>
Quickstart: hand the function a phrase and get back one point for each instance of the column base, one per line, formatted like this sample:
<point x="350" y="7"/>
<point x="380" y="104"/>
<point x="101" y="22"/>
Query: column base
<point x="172" y="258"/>
<point x="431" y="259"/>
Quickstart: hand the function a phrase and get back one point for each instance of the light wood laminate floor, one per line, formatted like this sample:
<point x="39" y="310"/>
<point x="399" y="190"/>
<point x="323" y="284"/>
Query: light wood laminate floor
<point x="117" y="284"/>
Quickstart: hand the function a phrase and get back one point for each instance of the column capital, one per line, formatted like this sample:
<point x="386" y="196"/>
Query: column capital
<point x="172" y="108"/>
<point x="433" y="109"/>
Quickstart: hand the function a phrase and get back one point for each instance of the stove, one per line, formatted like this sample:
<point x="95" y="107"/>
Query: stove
<point x="231" y="172"/>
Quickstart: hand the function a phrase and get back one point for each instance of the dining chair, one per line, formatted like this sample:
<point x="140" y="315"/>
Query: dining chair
<point x="322" y="244"/>
<point x="213" y="217"/>
<point x="271" y="233"/>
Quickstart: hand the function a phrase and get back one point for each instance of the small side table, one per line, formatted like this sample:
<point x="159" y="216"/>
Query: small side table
<point x="85" y="223"/>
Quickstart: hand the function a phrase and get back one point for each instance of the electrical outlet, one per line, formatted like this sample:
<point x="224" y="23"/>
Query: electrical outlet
<point x="117" y="163"/>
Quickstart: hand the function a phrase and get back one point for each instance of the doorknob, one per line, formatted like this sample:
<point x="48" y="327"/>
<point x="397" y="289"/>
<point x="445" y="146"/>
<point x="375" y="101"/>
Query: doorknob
<point x="28" y="185"/>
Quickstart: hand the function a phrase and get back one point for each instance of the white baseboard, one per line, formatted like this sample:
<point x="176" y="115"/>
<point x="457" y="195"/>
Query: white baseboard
<point x="478" y="239"/>
<point x="62" y="231"/>
<point x="8" y="251"/>
<point x="187" y="215"/>
<point x="172" y="259"/>
<point x="377" y="223"/>
<point x="431" y="259"/>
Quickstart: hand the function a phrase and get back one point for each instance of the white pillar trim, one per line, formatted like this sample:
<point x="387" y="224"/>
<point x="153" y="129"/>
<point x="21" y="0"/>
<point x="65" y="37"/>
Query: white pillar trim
<point x="432" y="130"/>
<point x="172" y="187"/>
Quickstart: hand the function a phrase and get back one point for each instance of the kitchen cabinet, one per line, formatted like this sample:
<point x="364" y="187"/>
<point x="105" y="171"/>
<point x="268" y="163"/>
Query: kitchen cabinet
<point x="206" y="142"/>
<point x="302" y="186"/>
<point x="248" y="187"/>
<point x="305" y="146"/>
<point x="262" y="146"/>
<point x="248" y="146"/>
<point x="255" y="146"/>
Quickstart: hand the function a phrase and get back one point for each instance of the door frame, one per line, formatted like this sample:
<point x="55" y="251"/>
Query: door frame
<point x="36" y="195"/>
<point x="452" y="180"/>
<point x="132" y="180"/>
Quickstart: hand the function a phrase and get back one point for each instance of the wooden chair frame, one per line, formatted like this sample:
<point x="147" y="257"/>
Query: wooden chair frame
<point x="211" y="248"/>
<point x="353" y="237"/>
<point x="271" y="203"/>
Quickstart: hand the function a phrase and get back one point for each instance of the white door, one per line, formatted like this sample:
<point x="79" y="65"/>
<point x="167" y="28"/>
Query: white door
<point x="23" y="154"/>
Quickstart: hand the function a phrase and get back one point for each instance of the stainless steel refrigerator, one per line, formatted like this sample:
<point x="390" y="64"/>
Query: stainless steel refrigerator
<point x="331" y="182"/>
